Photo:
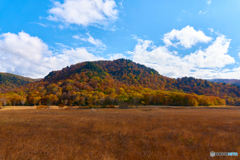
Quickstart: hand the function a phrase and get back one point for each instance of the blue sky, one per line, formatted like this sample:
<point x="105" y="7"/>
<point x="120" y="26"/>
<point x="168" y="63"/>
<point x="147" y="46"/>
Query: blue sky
<point x="177" y="38"/>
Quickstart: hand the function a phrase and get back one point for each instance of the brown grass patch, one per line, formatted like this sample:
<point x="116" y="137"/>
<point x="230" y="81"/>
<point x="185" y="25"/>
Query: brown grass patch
<point x="114" y="134"/>
<point x="28" y="108"/>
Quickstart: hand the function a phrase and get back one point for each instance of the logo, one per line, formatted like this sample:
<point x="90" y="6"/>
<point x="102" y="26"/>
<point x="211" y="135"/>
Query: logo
<point x="212" y="154"/>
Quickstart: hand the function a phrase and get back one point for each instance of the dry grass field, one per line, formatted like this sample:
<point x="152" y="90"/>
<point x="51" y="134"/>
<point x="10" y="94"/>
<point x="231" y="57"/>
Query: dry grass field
<point x="112" y="134"/>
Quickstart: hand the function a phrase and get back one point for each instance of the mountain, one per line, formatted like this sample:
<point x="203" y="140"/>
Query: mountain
<point x="120" y="70"/>
<point x="113" y="82"/>
<point x="228" y="81"/>
<point x="130" y="73"/>
<point x="8" y="81"/>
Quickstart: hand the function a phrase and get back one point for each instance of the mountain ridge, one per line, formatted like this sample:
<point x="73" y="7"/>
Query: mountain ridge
<point x="228" y="81"/>
<point x="123" y="78"/>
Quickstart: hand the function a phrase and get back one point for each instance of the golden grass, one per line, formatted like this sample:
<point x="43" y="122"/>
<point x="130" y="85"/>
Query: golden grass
<point x="17" y="108"/>
<point x="112" y="134"/>
<point x="24" y="107"/>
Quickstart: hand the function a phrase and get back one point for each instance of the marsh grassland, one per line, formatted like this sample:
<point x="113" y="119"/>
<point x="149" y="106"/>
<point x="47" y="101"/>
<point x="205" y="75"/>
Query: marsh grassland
<point x="112" y="134"/>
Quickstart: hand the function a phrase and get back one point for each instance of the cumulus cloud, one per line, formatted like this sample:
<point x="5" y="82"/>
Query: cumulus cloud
<point x="91" y="40"/>
<point x="209" y="2"/>
<point x="84" y="12"/>
<point x="26" y="55"/>
<point x="23" y="45"/>
<point x="160" y="58"/>
<point x="205" y="63"/>
<point x="215" y="56"/>
<point x="74" y="55"/>
<point x="186" y="37"/>
<point x="29" y="56"/>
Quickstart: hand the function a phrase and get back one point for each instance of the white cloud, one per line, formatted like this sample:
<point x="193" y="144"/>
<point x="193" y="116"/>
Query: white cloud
<point x="211" y="30"/>
<point x="160" y="58"/>
<point x="84" y="12"/>
<point x="91" y="40"/>
<point x="205" y="11"/>
<point x="121" y="4"/>
<point x="61" y="45"/>
<point x="205" y="63"/>
<point x="41" y="24"/>
<point x="239" y="54"/>
<point x="208" y="2"/>
<point x="175" y="52"/>
<point x="238" y="49"/>
<point x="61" y="27"/>
<point x="23" y="45"/>
<point x="116" y="56"/>
<point x="76" y="36"/>
<point x="186" y="37"/>
<point x="215" y="56"/>
<point x="186" y="12"/>
<point x="29" y="56"/>
<point x="79" y="54"/>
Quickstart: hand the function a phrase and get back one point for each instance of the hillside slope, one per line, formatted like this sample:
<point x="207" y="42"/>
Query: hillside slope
<point x="121" y="70"/>
<point x="9" y="82"/>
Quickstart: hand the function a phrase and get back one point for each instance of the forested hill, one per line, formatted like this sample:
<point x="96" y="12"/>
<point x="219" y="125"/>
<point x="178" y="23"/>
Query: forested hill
<point x="102" y="75"/>
<point x="124" y="71"/>
<point x="112" y="82"/>
<point x="9" y="82"/>
<point x="130" y="73"/>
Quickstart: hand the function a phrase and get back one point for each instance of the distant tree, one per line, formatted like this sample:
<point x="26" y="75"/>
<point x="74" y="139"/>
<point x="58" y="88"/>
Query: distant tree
<point x="51" y="99"/>
<point x="136" y="98"/>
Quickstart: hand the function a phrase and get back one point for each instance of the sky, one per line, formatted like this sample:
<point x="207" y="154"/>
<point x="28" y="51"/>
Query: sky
<point x="198" y="39"/>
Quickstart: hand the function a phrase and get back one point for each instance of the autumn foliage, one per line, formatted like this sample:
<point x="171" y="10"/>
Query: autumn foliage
<point x="103" y="83"/>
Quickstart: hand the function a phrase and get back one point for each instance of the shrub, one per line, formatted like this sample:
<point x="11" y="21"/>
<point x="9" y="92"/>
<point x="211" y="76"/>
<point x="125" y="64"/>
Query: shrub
<point x="103" y="106"/>
<point x="131" y="106"/>
<point x="81" y="107"/>
<point x="90" y="106"/>
<point x="61" y="106"/>
<point x="44" y="107"/>
<point x="41" y="107"/>
<point x="123" y="106"/>
<point x="38" y="107"/>
<point x="111" y="106"/>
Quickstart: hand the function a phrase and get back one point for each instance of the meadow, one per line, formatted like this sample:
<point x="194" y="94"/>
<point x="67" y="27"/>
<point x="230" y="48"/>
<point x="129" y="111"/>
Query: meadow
<point x="119" y="134"/>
